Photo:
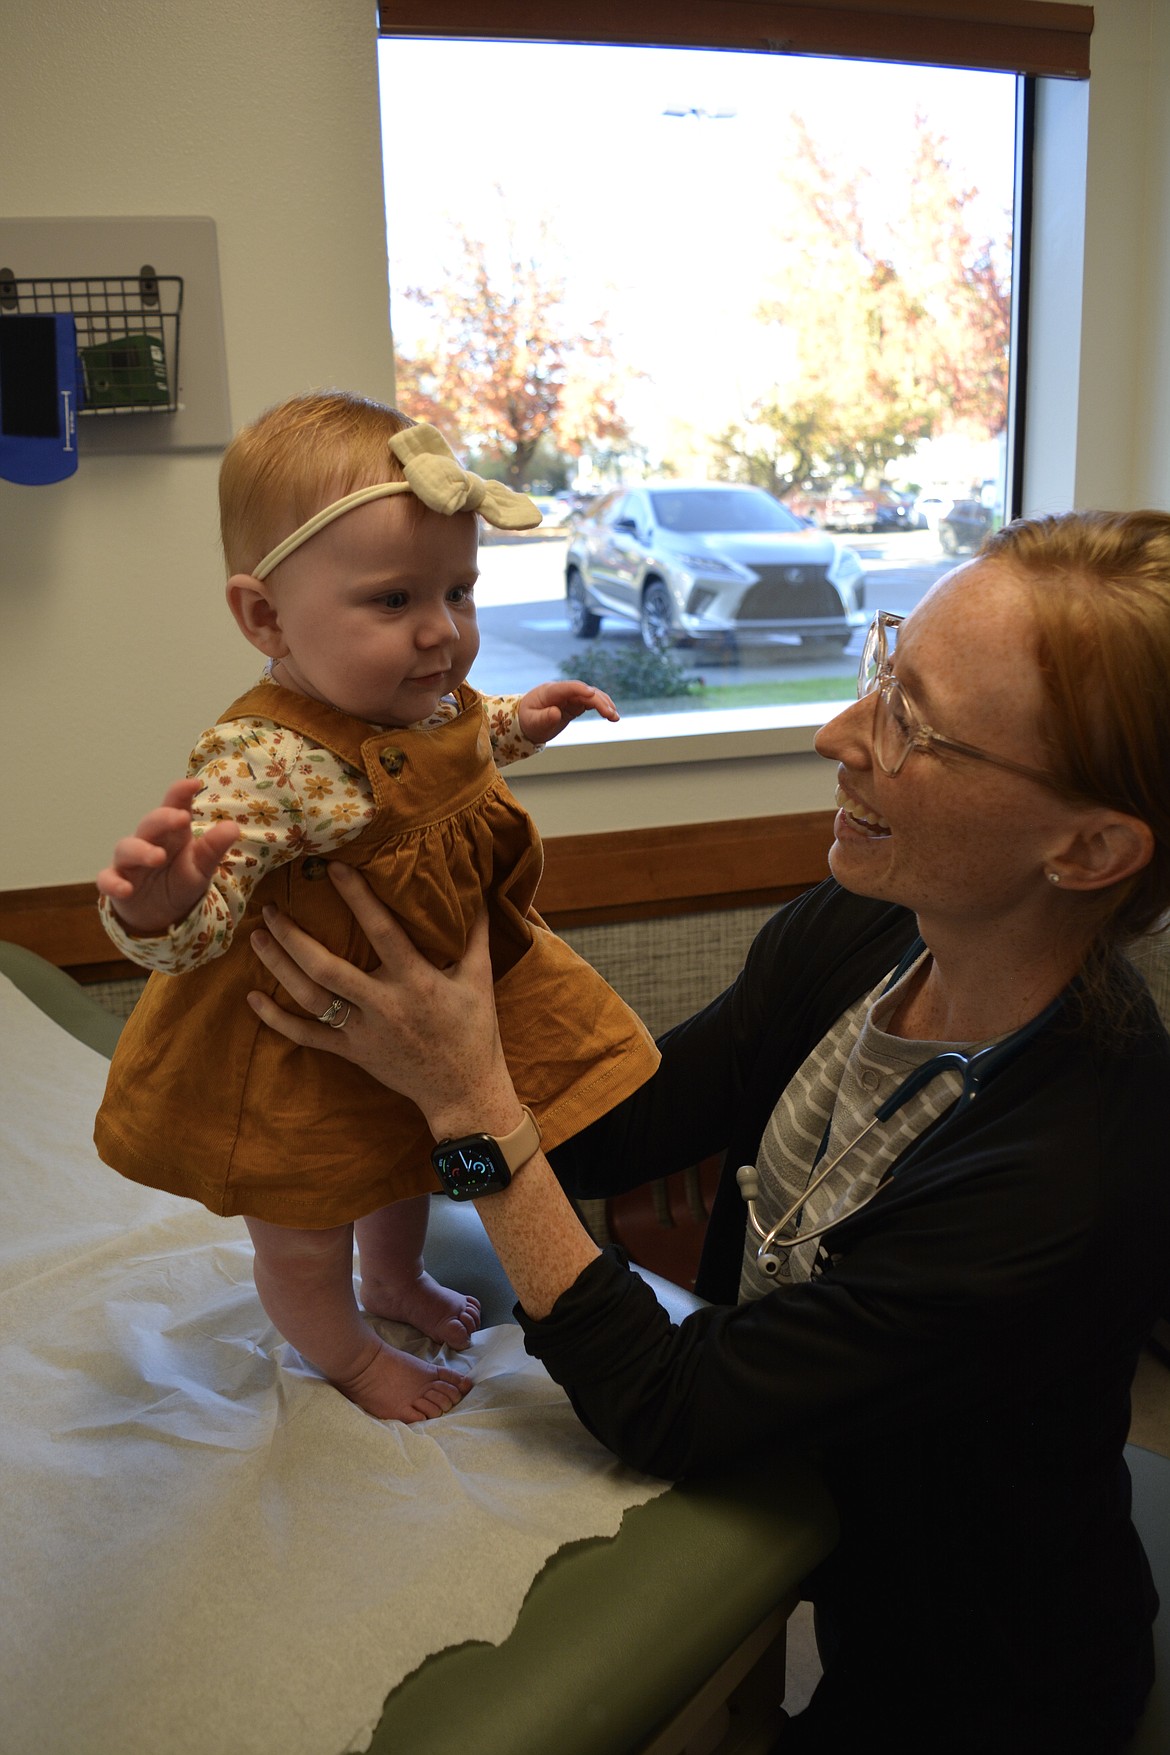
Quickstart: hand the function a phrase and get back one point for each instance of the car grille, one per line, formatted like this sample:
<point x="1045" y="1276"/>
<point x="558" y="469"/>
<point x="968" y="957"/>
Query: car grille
<point x="789" y="593"/>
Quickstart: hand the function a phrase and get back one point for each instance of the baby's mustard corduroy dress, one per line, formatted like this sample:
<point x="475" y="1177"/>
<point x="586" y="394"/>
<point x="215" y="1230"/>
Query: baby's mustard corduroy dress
<point x="206" y="1101"/>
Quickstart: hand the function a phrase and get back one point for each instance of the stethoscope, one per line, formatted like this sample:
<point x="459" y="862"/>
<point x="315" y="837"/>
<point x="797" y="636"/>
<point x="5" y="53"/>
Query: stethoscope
<point x="976" y="1069"/>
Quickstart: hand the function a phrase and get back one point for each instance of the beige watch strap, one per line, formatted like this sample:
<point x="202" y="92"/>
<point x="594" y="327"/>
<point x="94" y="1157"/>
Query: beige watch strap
<point x="519" y="1145"/>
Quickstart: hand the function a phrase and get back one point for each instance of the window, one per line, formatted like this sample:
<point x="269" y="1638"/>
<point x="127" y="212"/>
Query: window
<point x="745" y="319"/>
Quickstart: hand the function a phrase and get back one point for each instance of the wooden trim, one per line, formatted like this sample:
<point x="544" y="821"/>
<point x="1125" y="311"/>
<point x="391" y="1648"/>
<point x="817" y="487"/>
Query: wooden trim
<point x="686" y="868"/>
<point x="60" y="923"/>
<point x="631" y="874"/>
<point x="1012" y="36"/>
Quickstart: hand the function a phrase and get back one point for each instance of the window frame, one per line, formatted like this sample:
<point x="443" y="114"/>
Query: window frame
<point x="1034" y="37"/>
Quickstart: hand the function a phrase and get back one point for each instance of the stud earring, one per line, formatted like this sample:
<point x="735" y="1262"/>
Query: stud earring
<point x="1052" y="876"/>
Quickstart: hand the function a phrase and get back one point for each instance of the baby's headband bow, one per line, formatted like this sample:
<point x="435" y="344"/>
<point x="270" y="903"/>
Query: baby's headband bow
<point x="435" y="477"/>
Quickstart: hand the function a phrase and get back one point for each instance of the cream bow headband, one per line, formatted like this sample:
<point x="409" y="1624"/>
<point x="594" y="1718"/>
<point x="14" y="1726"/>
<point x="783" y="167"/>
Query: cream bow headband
<point x="434" y="476"/>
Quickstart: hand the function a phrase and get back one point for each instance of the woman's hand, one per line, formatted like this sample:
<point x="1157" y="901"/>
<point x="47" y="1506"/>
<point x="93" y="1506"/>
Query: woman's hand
<point x="431" y="1034"/>
<point x="428" y="1033"/>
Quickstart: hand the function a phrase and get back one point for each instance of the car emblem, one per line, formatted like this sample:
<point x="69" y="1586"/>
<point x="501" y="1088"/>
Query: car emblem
<point x="793" y="575"/>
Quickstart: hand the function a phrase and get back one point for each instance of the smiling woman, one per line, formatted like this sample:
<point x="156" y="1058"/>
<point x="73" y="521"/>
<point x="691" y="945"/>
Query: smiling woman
<point x="956" y="1336"/>
<point x="958" y="832"/>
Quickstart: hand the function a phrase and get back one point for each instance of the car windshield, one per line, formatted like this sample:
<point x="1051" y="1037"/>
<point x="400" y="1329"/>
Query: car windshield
<point x="721" y="510"/>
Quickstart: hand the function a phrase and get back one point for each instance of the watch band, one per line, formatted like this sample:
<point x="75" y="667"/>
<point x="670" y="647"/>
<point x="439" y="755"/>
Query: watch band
<point x="519" y="1145"/>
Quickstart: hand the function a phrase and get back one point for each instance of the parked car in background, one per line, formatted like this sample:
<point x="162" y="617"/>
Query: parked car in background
<point x="870" y="509"/>
<point x="962" y="529"/>
<point x="929" y="506"/>
<point x="553" y="510"/>
<point x="807" y="504"/>
<point x="710" y="561"/>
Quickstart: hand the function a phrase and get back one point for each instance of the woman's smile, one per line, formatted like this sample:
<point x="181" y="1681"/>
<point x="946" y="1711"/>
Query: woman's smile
<point x="860" y="817"/>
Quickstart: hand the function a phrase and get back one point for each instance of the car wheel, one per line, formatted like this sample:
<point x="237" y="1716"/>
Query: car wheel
<point x="946" y="540"/>
<point x="583" y="623"/>
<point x="657" y="622"/>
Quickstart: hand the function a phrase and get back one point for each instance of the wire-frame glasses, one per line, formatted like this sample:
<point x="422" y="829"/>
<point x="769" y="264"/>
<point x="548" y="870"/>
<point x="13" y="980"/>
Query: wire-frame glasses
<point x="897" y="728"/>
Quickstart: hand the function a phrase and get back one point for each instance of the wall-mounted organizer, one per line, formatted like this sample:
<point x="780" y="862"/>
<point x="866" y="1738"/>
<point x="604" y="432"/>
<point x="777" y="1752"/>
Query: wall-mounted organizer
<point x="142" y="297"/>
<point x="126" y="329"/>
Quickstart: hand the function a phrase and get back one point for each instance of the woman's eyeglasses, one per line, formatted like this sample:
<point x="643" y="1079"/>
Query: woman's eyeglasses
<point x="897" y="729"/>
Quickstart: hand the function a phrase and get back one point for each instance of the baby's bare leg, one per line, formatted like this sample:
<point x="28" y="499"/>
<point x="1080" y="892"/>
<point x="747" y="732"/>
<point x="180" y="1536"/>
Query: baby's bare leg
<point x="397" y="1286"/>
<point x="305" y="1282"/>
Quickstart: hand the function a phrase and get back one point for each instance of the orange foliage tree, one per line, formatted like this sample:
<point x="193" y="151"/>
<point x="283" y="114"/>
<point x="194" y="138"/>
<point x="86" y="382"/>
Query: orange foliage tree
<point x="503" y="373"/>
<point x="900" y="317"/>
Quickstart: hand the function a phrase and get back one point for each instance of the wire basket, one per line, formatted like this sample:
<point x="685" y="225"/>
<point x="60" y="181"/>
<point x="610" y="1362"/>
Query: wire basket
<point x="127" y="334"/>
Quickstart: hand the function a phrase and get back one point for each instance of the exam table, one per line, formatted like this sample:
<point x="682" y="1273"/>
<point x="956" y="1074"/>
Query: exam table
<point x="628" y="1646"/>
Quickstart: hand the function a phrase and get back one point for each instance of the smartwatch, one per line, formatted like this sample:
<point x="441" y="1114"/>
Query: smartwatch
<point x="481" y="1163"/>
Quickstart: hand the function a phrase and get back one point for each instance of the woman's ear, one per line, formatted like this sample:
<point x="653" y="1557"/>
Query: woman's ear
<point x="1105" y="850"/>
<point x="256" y="614"/>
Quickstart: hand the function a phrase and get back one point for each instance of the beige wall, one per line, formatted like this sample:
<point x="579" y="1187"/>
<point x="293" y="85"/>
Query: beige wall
<point x="114" y="646"/>
<point x="1125" y="286"/>
<point x="1152" y="467"/>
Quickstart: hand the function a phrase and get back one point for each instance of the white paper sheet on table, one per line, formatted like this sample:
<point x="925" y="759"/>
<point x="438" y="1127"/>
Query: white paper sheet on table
<point x="203" y="1547"/>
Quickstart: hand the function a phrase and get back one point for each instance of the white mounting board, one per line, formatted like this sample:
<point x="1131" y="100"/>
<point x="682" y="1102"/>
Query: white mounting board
<point x="80" y="248"/>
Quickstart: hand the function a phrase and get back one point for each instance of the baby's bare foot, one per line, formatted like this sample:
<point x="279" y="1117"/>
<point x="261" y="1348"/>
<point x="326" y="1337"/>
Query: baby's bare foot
<point x="451" y="1318"/>
<point x="395" y="1386"/>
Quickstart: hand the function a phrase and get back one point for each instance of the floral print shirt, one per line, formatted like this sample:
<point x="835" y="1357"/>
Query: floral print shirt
<point x="289" y="797"/>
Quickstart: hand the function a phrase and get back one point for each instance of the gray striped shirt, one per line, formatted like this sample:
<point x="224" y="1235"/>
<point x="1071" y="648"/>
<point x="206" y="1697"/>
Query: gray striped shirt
<point x="843" y="1082"/>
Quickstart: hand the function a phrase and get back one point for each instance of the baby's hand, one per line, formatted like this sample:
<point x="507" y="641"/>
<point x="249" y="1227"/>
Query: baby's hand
<point x="545" y="711"/>
<point x="161" y="871"/>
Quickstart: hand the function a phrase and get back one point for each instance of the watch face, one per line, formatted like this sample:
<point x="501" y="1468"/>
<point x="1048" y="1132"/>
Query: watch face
<point x="470" y="1167"/>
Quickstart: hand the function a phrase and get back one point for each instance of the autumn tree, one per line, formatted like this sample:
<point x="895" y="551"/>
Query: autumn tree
<point x="782" y="443"/>
<point x="900" y="315"/>
<point x="502" y="372"/>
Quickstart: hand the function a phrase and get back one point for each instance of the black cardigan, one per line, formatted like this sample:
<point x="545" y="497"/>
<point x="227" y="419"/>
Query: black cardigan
<point x="962" y="1371"/>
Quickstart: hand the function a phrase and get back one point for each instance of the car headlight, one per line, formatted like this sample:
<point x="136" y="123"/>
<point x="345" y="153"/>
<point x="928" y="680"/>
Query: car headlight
<point x="846" y="568"/>
<point x="709" y="564"/>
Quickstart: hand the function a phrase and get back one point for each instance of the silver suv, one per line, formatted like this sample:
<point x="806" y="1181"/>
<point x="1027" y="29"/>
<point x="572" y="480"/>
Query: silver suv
<point x="706" y="562"/>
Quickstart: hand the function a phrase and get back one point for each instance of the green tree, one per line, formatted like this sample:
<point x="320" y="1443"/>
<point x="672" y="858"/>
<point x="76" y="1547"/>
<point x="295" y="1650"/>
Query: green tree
<point x="783" y="443"/>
